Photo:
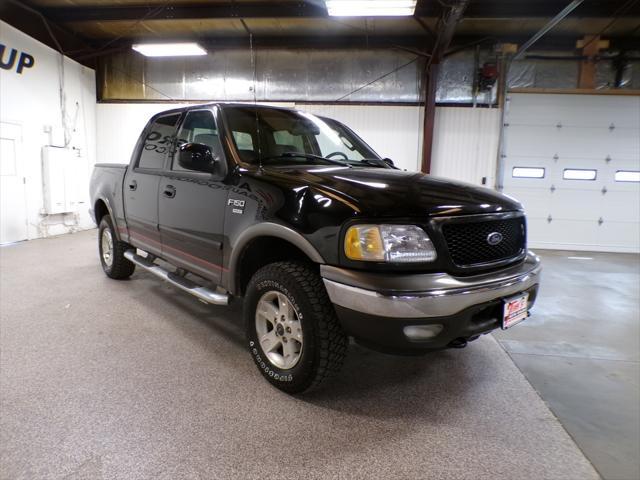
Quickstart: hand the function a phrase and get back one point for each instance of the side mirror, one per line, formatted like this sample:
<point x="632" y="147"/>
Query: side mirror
<point x="389" y="162"/>
<point x="197" y="157"/>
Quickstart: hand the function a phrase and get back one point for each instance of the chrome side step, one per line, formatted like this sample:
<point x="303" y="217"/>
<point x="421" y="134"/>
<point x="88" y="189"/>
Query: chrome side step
<point x="203" y="293"/>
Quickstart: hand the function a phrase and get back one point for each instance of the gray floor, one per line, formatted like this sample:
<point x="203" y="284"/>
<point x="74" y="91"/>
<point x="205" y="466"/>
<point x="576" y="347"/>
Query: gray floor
<point x="106" y="379"/>
<point x="581" y="352"/>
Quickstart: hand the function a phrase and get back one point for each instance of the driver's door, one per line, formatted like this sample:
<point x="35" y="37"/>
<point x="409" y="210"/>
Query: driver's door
<point x="192" y="204"/>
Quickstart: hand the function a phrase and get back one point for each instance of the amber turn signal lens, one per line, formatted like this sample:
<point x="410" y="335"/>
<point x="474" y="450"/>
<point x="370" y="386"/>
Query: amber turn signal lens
<point x="364" y="242"/>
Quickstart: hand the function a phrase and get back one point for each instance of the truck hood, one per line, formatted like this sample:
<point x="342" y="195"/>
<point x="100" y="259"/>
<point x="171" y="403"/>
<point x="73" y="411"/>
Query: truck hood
<point x="389" y="192"/>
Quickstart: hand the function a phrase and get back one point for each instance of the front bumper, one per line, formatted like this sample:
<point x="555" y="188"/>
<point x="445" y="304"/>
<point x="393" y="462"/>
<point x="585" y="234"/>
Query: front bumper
<point x="375" y="308"/>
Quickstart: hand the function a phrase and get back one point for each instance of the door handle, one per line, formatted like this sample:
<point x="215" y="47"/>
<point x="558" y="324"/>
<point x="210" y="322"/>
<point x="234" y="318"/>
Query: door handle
<point x="133" y="185"/>
<point x="169" y="191"/>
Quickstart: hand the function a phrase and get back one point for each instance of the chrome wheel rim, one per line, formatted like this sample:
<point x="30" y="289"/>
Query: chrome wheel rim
<point x="279" y="330"/>
<point x="106" y="244"/>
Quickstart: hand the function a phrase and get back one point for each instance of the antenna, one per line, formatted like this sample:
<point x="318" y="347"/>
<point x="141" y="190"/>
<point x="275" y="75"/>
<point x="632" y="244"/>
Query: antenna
<point x="255" y="101"/>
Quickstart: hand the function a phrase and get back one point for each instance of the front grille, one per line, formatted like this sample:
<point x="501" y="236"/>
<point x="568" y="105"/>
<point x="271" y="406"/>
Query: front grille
<point x="468" y="245"/>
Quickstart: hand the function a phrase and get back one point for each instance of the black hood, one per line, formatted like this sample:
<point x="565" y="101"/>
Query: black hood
<point x="389" y="192"/>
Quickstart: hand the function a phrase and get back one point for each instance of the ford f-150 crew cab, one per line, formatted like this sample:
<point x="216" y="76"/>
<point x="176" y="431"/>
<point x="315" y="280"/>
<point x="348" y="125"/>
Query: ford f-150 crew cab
<point x="320" y="237"/>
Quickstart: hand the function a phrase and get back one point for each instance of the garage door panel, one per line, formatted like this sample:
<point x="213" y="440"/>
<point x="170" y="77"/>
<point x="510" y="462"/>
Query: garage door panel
<point x="622" y="236"/>
<point x="571" y="143"/>
<point x="539" y="231"/>
<point x="602" y="111"/>
<point x="535" y="204"/>
<point x="620" y="206"/>
<point x="562" y="233"/>
<point x="574" y="232"/>
<point x="576" y="204"/>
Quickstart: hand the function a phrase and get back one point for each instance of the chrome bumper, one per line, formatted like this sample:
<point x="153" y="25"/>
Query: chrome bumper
<point x="440" y="294"/>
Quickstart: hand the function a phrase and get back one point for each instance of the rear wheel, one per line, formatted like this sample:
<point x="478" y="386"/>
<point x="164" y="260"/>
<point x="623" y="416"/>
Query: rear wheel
<point x="291" y="326"/>
<point x="111" y="250"/>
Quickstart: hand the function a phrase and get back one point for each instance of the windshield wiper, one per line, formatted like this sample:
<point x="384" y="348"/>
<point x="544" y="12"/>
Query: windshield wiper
<point x="309" y="156"/>
<point x="376" y="162"/>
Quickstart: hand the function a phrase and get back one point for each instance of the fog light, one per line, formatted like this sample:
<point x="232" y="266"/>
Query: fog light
<point x="422" y="332"/>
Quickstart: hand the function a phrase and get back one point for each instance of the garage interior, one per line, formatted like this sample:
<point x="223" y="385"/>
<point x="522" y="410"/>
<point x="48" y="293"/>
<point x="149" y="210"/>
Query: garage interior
<point x="538" y="99"/>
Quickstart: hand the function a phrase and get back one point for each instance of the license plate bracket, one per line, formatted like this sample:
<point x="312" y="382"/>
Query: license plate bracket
<point x="515" y="310"/>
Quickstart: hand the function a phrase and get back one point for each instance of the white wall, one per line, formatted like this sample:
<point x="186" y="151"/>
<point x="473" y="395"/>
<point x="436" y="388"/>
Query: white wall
<point x="32" y="101"/>
<point x="465" y="144"/>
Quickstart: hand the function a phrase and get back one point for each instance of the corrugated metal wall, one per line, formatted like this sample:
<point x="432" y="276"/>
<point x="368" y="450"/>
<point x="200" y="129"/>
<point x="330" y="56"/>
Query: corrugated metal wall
<point x="466" y="144"/>
<point x="315" y="75"/>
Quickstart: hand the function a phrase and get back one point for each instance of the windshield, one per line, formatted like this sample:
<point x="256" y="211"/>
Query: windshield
<point x="290" y="137"/>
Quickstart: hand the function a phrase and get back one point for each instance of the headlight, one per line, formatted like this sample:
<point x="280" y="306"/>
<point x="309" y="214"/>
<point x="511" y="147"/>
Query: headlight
<point x="388" y="243"/>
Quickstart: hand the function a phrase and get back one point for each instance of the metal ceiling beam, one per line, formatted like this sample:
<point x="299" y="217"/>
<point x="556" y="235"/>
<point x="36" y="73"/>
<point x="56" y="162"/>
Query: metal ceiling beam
<point x="417" y="42"/>
<point x="498" y="9"/>
<point x="543" y="31"/>
<point x="29" y="20"/>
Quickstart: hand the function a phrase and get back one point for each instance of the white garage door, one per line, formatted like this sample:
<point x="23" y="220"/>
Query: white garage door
<point x="574" y="163"/>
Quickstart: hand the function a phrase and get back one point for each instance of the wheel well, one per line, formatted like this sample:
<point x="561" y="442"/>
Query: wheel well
<point x="262" y="251"/>
<point x="100" y="211"/>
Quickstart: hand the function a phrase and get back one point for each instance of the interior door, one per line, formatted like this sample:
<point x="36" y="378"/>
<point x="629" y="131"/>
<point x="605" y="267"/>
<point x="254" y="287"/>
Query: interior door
<point x="141" y="184"/>
<point x="13" y="205"/>
<point x="192" y="204"/>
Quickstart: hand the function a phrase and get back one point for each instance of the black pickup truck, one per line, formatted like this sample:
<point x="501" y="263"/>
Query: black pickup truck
<point x="320" y="237"/>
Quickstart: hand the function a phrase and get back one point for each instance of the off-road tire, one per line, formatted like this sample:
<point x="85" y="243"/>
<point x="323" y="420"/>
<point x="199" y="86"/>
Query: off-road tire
<point x="120" y="267"/>
<point x="324" y="342"/>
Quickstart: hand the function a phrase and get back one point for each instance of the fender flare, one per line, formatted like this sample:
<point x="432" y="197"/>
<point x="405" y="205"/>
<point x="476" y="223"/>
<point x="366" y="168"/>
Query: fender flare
<point x="107" y="204"/>
<point x="268" y="229"/>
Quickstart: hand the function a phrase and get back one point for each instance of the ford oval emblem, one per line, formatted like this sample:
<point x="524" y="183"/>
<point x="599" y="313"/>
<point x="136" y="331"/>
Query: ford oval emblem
<point x="494" y="238"/>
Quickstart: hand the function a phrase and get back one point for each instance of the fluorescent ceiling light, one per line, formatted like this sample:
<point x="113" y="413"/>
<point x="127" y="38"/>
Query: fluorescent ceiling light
<point x="370" y="8"/>
<point x="169" y="49"/>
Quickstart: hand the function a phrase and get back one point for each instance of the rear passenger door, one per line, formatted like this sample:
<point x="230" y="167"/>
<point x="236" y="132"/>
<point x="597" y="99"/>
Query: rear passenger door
<point x="141" y="183"/>
<point x="192" y="204"/>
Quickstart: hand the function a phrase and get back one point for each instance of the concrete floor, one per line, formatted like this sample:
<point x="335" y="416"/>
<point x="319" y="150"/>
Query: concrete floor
<point x="133" y="379"/>
<point x="581" y="351"/>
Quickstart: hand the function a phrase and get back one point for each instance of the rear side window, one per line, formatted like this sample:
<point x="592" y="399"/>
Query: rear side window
<point x="199" y="126"/>
<point x="158" y="142"/>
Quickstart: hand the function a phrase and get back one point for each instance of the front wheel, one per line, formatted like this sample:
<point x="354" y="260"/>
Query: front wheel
<point x="291" y="326"/>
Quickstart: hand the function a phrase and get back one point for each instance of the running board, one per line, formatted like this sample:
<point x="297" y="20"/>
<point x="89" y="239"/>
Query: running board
<point x="203" y="293"/>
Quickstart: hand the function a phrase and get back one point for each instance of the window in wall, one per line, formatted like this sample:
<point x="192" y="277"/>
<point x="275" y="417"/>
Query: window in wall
<point x="627" y="176"/>
<point x="579" y="174"/>
<point x="288" y="142"/>
<point x="199" y="126"/>
<point x="158" y="142"/>
<point x="527" y="172"/>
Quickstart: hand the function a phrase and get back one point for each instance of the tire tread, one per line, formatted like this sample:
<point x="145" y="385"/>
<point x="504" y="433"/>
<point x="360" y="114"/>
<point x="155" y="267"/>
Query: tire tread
<point x="333" y="343"/>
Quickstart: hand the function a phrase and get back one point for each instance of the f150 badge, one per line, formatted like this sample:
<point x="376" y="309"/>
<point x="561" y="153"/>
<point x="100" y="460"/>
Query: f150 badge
<point x="238" y="205"/>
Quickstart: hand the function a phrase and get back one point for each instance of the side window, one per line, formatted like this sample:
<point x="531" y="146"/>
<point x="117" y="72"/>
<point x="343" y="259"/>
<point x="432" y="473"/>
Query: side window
<point x="158" y="142"/>
<point x="199" y="126"/>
